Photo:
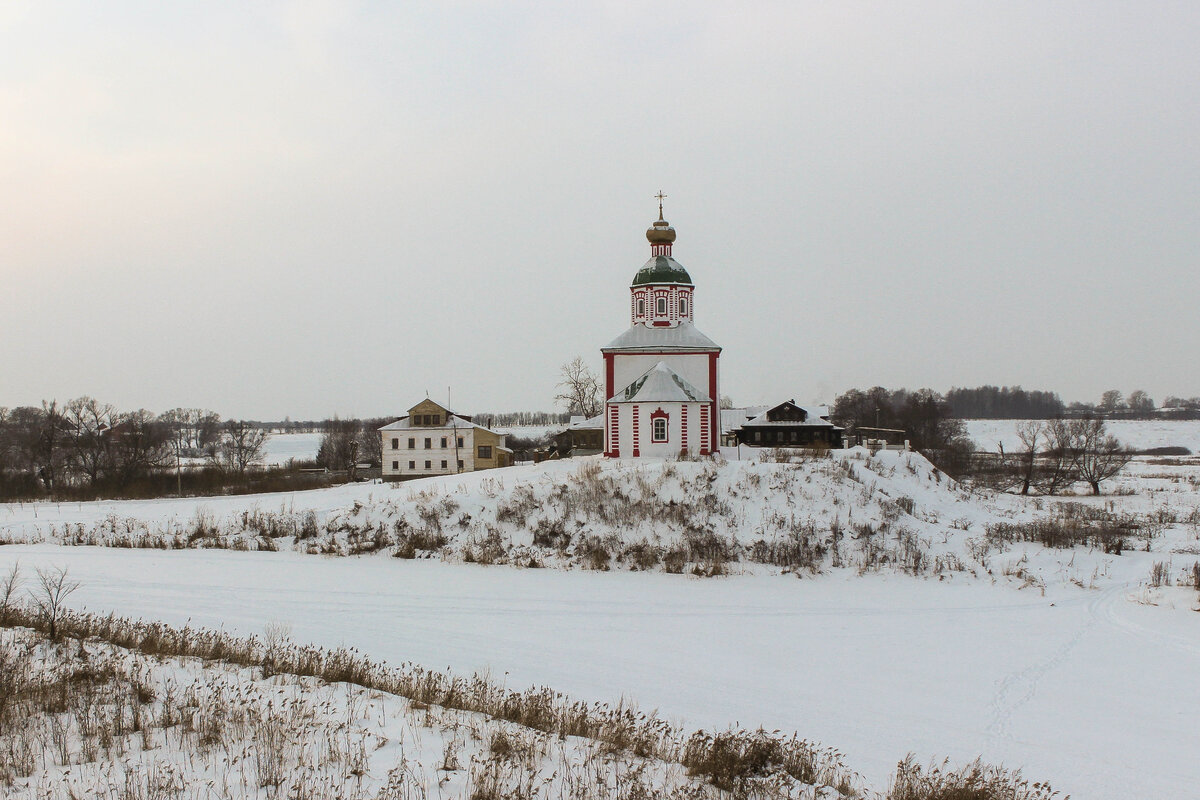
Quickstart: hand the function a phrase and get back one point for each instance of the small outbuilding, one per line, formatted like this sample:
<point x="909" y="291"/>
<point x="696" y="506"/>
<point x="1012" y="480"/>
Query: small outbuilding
<point x="582" y="437"/>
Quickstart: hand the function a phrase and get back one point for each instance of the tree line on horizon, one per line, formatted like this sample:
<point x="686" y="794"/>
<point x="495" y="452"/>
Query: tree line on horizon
<point x="85" y="449"/>
<point x="1055" y="451"/>
<point x="1014" y="402"/>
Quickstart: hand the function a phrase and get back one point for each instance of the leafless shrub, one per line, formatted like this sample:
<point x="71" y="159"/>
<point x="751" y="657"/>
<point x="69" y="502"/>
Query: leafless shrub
<point x="50" y="594"/>
<point x="1160" y="574"/>
<point x="975" y="781"/>
<point x="674" y="560"/>
<point x="1073" y="524"/>
<point x="734" y="760"/>
<point x="641" y="556"/>
<point x="10" y="584"/>
<point x="1192" y="576"/>
<point x="593" y="552"/>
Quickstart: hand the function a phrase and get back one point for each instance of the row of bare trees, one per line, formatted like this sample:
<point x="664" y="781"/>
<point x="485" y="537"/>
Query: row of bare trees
<point x="1056" y="453"/>
<point x="90" y="444"/>
<point x="923" y="415"/>
<point x="346" y="443"/>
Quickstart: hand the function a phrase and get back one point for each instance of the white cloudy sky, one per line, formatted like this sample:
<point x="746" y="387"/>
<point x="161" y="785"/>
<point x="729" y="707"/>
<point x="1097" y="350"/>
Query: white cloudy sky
<point x="304" y="209"/>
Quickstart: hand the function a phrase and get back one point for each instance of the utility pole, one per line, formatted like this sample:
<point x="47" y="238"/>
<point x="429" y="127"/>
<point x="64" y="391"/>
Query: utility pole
<point x="453" y="431"/>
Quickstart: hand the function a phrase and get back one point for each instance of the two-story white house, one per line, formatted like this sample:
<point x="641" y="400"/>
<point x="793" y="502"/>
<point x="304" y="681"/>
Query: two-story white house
<point x="432" y="440"/>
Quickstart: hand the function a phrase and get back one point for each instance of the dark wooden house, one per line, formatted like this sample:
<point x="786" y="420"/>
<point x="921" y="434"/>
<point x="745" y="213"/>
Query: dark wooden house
<point x="790" y="425"/>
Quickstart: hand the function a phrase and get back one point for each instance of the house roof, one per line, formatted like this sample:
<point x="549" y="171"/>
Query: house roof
<point x="455" y="421"/>
<point x="660" y="384"/>
<point x="580" y="423"/>
<point x="683" y="336"/>
<point x="815" y="418"/>
<point x="662" y="269"/>
<point x="434" y="403"/>
<point x="734" y="418"/>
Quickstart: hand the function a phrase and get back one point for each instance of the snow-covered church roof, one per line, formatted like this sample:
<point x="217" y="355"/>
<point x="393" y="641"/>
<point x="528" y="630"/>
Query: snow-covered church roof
<point x="660" y="384"/>
<point x="683" y="336"/>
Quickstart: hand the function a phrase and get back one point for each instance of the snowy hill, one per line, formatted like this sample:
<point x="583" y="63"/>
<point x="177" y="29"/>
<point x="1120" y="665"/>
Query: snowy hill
<point x="852" y="510"/>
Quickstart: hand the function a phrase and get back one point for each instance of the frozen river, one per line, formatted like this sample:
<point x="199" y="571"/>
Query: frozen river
<point x="1085" y="689"/>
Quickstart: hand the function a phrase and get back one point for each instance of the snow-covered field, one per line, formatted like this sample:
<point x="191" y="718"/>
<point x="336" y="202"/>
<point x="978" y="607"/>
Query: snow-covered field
<point x="283" y="447"/>
<point x="989" y="434"/>
<point x="1062" y="662"/>
<point x="1083" y="688"/>
<point x="529" y="431"/>
<point x="98" y="721"/>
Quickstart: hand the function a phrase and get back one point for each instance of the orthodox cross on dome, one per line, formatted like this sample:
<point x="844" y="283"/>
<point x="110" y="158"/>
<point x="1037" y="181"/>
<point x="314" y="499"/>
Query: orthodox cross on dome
<point x="660" y="197"/>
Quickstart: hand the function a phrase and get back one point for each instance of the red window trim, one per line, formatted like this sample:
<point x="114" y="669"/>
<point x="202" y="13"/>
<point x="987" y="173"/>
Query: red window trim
<point x="654" y="418"/>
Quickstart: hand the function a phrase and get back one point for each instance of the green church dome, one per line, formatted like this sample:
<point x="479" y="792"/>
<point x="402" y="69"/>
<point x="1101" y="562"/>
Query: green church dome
<point x="662" y="269"/>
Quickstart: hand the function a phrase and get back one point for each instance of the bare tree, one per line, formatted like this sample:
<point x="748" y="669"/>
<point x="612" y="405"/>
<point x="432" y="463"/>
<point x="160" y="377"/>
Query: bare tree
<point x="1096" y="455"/>
<point x="1140" y="402"/>
<point x="1111" y="400"/>
<point x="51" y="593"/>
<point x="10" y="584"/>
<point x="241" y="443"/>
<point x="1030" y="433"/>
<point x="88" y="422"/>
<point x="42" y="441"/>
<point x="580" y="389"/>
<point x="1057" y="464"/>
<point x="139" y="444"/>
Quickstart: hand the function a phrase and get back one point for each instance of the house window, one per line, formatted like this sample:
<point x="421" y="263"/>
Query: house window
<point x="485" y="451"/>
<point x="460" y="444"/>
<point x="443" y="463"/>
<point x="412" y="465"/>
<point x="412" y="444"/>
<point x="395" y="466"/>
<point x="428" y="443"/>
<point x="460" y="464"/>
<point x="662" y="306"/>
<point x="758" y="436"/>
<point x="660" y="429"/>
<point x="641" y="307"/>
<point x="395" y="444"/>
<point x="428" y="465"/>
<point x="683" y="306"/>
<point x="435" y="419"/>
<point x="443" y="442"/>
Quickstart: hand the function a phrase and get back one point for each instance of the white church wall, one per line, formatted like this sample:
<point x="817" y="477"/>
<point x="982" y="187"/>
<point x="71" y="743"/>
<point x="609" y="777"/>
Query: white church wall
<point x="647" y="447"/>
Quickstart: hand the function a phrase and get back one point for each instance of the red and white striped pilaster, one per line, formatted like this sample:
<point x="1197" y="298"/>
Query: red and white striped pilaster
<point x="683" y="437"/>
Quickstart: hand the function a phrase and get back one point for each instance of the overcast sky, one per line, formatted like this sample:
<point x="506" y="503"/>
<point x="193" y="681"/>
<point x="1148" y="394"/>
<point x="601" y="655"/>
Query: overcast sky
<point x="274" y="209"/>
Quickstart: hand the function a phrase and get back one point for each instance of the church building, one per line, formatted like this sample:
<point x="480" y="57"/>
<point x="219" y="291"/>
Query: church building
<point x="660" y="376"/>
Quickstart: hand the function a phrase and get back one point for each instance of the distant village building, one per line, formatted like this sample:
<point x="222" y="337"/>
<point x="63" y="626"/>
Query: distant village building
<point x="582" y="437"/>
<point x="660" y="376"/>
<point x="732" y="420"/>
<point x="432" y="440"/>
<point x="790" y="425"/>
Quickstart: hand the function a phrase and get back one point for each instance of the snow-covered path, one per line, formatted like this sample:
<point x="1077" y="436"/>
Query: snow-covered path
<point x="1085" y="689"/>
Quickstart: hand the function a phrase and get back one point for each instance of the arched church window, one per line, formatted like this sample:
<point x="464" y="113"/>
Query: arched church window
<point x="641" y="307"/>
<point x="662" y="306"/>
<point x="683" y="306"/>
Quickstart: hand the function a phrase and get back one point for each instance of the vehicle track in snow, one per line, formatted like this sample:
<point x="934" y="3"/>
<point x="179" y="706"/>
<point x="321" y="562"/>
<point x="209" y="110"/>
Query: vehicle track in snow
<point x="1018" y="688"/>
